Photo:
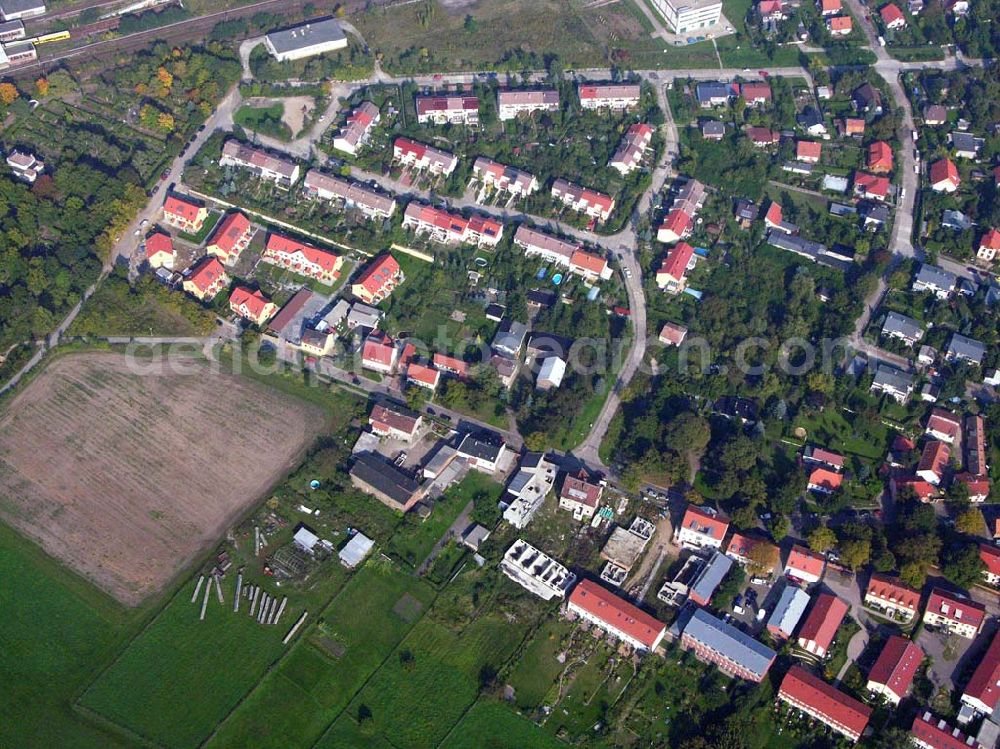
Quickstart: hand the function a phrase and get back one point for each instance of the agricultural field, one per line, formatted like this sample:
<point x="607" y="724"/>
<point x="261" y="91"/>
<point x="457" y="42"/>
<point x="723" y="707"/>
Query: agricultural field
<point x="106" y="466"/>
<point x="298" y="700"/>
<point x="426" y="687"/>
<point x="492" y="725"/>
<point x="57" y="630"/>
<point x="181" y="676"/>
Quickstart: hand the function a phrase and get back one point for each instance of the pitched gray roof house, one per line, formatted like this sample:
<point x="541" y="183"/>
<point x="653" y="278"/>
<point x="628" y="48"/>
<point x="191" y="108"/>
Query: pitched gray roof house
<point x="893" y="382"/>
<point x="788" y="611"/>
<point x="935" y="279"/>
<point x="903" y="327"/>
<point x="382" y="476"/>
<point x="510" y="338"/>
<point x="955" y="220"/>
<point x="799" y="245"/>
<point x="710" y="578"/>
<point x="966" y="349"/>
<point x="712" y="93"/>
<point x="308" y="39"/>
<point x="730" y="643"/>
<point x="966" y="145"/>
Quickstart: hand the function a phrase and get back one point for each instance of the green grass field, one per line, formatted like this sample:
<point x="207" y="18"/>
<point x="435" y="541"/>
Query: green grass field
<point x="415" y="538"/>
<point x="414" y="701"/>
<point x="57" y="631"/>
<point x="299" y="699"/>
<point x="538" y="669"/>
<point x="181" y="676"/>
<point x="492" y="725"/>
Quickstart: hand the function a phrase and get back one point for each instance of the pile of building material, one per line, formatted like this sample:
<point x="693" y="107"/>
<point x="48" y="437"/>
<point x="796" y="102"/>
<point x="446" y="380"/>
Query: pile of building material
<point x="264" y="606"/>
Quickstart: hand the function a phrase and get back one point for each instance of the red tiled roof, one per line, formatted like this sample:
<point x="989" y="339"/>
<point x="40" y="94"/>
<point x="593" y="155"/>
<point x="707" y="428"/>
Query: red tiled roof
<point x="944" y="422"/>
<point x="990" y="555"/>
<point x="324" y="258"/>
<point x="767" y="7"/>
<point x="890" y="13"/>
<point x="773" y="215"/>
<point x="934" y="458"/>
<point x="207" y="272"/>
<point x="406" y="145"/>
<point x="922" y="489"/>
<point x="452" y="364"/>
<point x="978" y="486"/>
<point x="808" y="149"/>
<point x="889" y="589"/>
<point x="879" y="157"/>
<point x="756" y="89"/>
<point x="676" y="263"/>
<point x="673" y="333"/>
<point x="180" y="207"/>
<point x="581" y="491"/>
<point x="800" y="558"/>
<point x="897" y="664"/>
<point x="486" y="225"/>
<point x="938" y="734"/>
<point x="824" y="618"/>
<point x="972" y="613"/>
<point x="157" y="243"/>
<point x="825" y="478"/>
<point x="588" y="261"/>
<point x="616" y="612"/>
<point x="827" y="456"/>
<point x="944" y="170"/>
<point x="840" y="23"/>
<point x="696" y="519"/>
<point x="677" y="222"/>
<point x="763" y="135"/>
<point x="254" y="301"/>
<point x="983" y="684"/>
<point x="427" y="104"/>
<point x="991" y="240"/>
<point x="740" y="544"/>
<point x="422" y="373"/>
<point x="824" y="699"/>
<point x="379" y="272"/>
<point x="830" y="6"/>
<point x="854" y="125"/>
<point x="232" y="229"/>
<point x="378" y="348"/>
<point x="391" y="418"/>
<point x="903" y="443"/>
<point x="871" y="184"/>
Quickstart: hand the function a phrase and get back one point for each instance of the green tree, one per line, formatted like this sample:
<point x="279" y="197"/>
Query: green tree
<point x="971" y="522"/>
<point x="963" y="566"/>
<point x="855" y="553"/>
<point x="821" y="539"/>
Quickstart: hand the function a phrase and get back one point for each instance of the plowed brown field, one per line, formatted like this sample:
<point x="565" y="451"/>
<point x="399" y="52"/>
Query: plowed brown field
<point x="126" y="477"/>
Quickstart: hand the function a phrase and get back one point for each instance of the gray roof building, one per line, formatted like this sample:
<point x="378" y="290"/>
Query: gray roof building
<point x="901" y="326"/>
<point x="966" y="349"/>
<point x="312" y="38"/>
<point x="474" y="447"/>
<point x="387" y="480"/>
<point x="933" y="278"/>
<point x="966" y="145"/>
<point x="712" y="93"/>
<point x="710" y="577"/>
<point x="799" y="245"/>
<point x="893" y="382"/>
<point x="355" y="550"/>
<point x="833" y="183"/>
<point x="510" y="338"/>
<point x="955" y="220"/>
<point x="713" y="129"/>
<point x="789" y="610"/>
<point x="875" y="213"/>
<point x="726" y="646"/>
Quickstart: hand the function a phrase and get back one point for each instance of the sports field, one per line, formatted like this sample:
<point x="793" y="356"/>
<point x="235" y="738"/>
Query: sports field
<point x="125" y="477"/>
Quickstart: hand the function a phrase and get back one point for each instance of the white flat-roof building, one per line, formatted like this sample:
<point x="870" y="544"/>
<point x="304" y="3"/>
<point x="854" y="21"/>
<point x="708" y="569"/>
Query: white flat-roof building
<point x="536" y="571"/>
<point x="309" y="39"/>
<point x="683" y="16"/>
<point x="527" y="490"/>
<point x="13" y="10"/>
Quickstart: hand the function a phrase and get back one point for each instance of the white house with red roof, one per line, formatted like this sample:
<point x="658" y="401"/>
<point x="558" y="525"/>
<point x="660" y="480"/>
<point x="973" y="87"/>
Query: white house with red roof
<point x="990" y="556"/>
<point x="452" y="365"/>
<point x="701" y="528"/>
<point x="447" y="227"/>
<point x="580" y="496"/>
<point x="829" y="7"/>
<point x="504" y="178"/>
<point x="894" y="669"/>
<point x="892" y="16"/>
<point x="871" y="186"/>
<point x="821" y="624"/>
<point x="933" y="462"/>
<point x="804" y="565"/>
<point x="943" y="425"/>
<point x="770" y="10"/>
<point x="512" y="103"/>
<point x="839" y="25"/>
<point x="420" y="156"/>
<point x="252" y="305"/>
<point x="443" y="110"/>
<point x="590" y="265"/>
<point x="922" y="490"/>
<point x="282" y="172"/>
<point x="755" y="93"/>
<point x="825" y="703"/>
<point x="982" y="693"/>
<point x="673" y="334"/>
<point x="928" y="732"/>
<point x="676" y="225"/>
<point x="615" y="96"/>
<point x="423" y="375"/>
<point x="394" y="421"/>
<point x="808" y="151"/>
<point x="549" y="248"/>
<point x="960" y="616"/>
<point x="299" y="257"/>
<point x="943" y="176"/>
<point x="820" y="456"/>
<point x="634" y="144"/>
<point x="824" y="481"/>
<point x="378" y="280"/>
<point x="890" y="597"/>
<point x="989" y="246"/>
<point x="978" y="487"/>
<point x="774" y="217"/>
<point x="231" y="237"/>
<point x="379" y="352"/>
<point x="206" y="279"/>
<point x="184" y="214"/>
<point x="357" y="128"/>
<point x="615" y="616"/>
<point x="583" y="199"/>
<point x="672" y="274"/>
<point x="879" y="158"/>
<point x="739" y="545"/>
<point x="160" y="252"/>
